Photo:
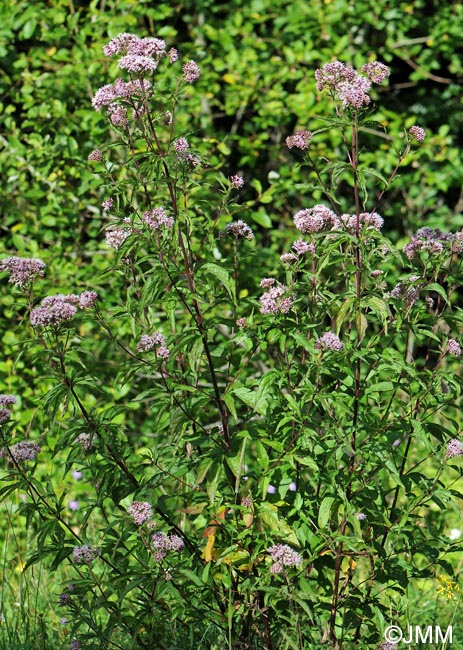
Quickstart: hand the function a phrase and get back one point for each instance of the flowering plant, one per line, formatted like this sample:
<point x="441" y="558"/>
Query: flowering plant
<point x="257" y="460"/>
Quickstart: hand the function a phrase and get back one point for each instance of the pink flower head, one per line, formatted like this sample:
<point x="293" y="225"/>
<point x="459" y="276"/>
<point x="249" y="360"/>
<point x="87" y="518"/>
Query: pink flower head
<point x="301" y="247"/>
<point x="141" y="512"/>
<point x="116" y="237"/>
<point x="22" y="270"/>
<point x="95" y="156"/>
<point x="104" y="96"/>
<point x="173" y="55"/>
<point x="453" y="347"/>
<point x="157" y="218"/>
<point x="7" y="400"/>
<point x="237" y="182"/>
<point x="154" y="341"/>
<point x="315" y="219"/>
<point x="376" y="72"/>
<point x="347" y="84"/>
<point x="276" y="300"/>
<point x="85" y="440"/>
<point x="288" y="258"/>
<point x="53" y="313"/>
<point x="329" y="341"/>
<point x="148" y="47"/>
<point x="239" y="229"/>
<point x="24" y="450"/>
<point x="120" y="44"/>
<point x="332" y="74"/>
<point x="454" y="448"/>
<point x="369" y="220"/>
<point x="87" y="299"/>
<point x="354" y="93"/>
<point x="284" y="555"/>
<point x="417" y="133"/>
<point x="300" y="140"/>
<point x="84" y="554"/>
<point x="138" y="64"/>
<point x="191" y="72"/>
<point x="181" y="145"/>
<point x="265" y="283"/>
<point x="118" y="115"/>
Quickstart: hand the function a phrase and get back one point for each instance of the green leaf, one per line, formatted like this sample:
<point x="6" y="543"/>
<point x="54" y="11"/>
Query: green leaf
<point x="255" y="399"/>
<point x="262" y="219"/>
<point x="434" y="286"/>
<point x="344" y="312"/>
<point x="324" y="511"/>
<point x="222" y="275"/>
<point x="380" y="387"/>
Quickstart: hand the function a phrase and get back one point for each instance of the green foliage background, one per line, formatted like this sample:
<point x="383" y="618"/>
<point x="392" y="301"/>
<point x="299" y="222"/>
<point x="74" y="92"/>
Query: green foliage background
<point x="257" y="86"/>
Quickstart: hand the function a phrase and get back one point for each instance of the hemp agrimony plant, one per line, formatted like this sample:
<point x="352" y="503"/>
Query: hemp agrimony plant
<point x="262" y="470"/>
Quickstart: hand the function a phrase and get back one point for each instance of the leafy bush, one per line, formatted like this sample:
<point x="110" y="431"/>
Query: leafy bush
<point x="264" y="458"/>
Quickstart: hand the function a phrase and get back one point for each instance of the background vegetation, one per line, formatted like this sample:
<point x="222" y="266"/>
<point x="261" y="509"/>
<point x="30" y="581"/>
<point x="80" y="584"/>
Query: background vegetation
<point x="257" y="60"/>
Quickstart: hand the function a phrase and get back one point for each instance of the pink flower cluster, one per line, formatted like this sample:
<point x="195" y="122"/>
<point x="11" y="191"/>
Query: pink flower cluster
<point x="433" y="241"/>
<point x="22" y="270"/>
<point x="454" y="448"/>
<point x="126" y="44"/>
<point x="85" y="554"/>
<point x="417" y="133"/>
<point x="405" y="291"/>
<point x="149" y="341"/>
<point x="329" y="341"/>
<point x="191" y="72"/>
<point x="239" y="229"/>
<point x="283" y="555"/>
<point x="141" y="512"/>
<point x="5" y="413"/>
<point x="236" y="181"/>
<point x="157" y="218"/>
<point x="85" y="440"/>
<point x="315" y="219"/>
<point x="24" y="450"/>
<point x="181" y="146"/>
<point x="453" y="347"/>
<point x="136" y="89"/>
<point x="55" y="310"/>
<point x="301" y="247"/>
<point x="108" y="204"/>
<point x="163" y="543"/>
<point x="276" y="300"/>
<point x="369" y="220"/>
<point x="347" y="84"/>
<point x="115" y="237"/>
<point x="300" y="140"/>
<point x="95" y="156"/>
